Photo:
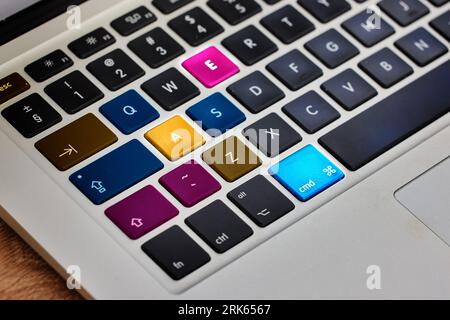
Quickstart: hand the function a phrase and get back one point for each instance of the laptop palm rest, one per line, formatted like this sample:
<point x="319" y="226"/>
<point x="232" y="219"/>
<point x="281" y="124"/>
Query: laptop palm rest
<point x="427" y="197"/>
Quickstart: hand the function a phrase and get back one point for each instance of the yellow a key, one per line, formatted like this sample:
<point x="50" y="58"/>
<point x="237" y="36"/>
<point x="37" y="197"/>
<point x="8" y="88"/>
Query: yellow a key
<point x="175" y="138"/>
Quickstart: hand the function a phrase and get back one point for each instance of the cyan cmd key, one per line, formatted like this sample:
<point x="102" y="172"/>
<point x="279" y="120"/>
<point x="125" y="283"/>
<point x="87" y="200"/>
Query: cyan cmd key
<point x="306" y="173"/>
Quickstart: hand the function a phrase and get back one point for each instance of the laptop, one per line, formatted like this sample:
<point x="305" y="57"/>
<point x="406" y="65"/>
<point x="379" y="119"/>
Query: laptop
<point x="230" y="149"/>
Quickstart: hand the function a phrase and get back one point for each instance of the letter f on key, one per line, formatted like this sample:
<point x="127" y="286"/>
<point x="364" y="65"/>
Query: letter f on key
<point x="210" y="65"/>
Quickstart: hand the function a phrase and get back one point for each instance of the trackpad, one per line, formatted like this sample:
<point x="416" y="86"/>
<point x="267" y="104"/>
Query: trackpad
<point x="428" y="198"/>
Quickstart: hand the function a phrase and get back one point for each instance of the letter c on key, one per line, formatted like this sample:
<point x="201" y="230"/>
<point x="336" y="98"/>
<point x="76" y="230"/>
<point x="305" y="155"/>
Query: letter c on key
<point x="311" y="111"/>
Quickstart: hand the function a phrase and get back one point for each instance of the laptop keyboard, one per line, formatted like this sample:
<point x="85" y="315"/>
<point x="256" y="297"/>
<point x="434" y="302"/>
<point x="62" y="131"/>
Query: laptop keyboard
<point x="148" y="98"/>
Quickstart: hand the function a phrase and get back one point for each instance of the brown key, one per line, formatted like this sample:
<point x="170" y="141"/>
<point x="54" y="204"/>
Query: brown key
<point x="231" y="159"/>
<point x="76" y="142"/>
<point x="11" y="86"/>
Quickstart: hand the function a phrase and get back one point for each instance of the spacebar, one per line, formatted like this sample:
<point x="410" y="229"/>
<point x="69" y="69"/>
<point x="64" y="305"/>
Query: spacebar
<point x="392" y="120"/>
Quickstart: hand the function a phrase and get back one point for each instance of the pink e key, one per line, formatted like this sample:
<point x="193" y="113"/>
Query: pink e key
<point x="210" y="67"/>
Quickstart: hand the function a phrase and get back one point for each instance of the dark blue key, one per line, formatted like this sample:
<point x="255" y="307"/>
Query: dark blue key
<point x="235" y="12"/>
<point x="368" y="28"/>
<point x="325" y="11"/>
<point x="442" y="25"/>
<point x="216" y="114"/>
<point x="404" y="12"/>
<point x="386" y="68"/>
<point x="311" y="112"/>
<point x="91" y="43"/>
<point x="389" y="122"/>
<point x="295" y="70"/>
<point x="272" y="135"/>
<point x="133" y="21"/>
<point x="332" y="48"/>
<point x="31" y="115"/>
<point x="175" y="252"/>
<point x="255" y="92"/>
<point x="349" y="89"/>
<point x="167" y="7"/>
<point x="219" y="227"/>
<point x="421" y="47"/>
<point x="116" y="172"/>
<point x="48" y="66"/>
<point x="249" y="45"/>
<point x="287" y="24"/>
<point x="129" y="112"/>
<point x="438" y="3"/>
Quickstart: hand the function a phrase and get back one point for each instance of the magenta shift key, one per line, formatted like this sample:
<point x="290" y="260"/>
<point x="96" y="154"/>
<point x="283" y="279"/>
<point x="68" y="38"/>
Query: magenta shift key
<point x="141" y="212"/>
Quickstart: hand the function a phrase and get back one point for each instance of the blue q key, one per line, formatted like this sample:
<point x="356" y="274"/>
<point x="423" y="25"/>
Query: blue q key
<point x="306" y="173"/>
<point x="129" y="112"/>
<point x="115" y="172"/>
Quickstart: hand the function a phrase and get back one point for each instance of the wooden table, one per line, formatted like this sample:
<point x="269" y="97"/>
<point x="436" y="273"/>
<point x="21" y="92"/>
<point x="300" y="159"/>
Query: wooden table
<point x="24" y="275"/>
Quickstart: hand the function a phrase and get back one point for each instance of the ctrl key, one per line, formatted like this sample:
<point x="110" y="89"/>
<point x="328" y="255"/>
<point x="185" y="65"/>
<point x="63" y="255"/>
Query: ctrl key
<point x="176" y="253"/>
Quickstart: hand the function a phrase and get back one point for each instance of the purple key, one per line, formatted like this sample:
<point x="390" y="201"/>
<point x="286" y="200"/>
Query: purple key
<point x="141" y="212"/>
<point x="190" y="183"/>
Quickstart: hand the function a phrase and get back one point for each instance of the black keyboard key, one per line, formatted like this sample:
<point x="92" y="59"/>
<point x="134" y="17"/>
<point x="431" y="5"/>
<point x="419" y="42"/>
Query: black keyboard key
<point x="261" y="201"/>
<point x="48" y="66"/>
<point x="271" y="1"/>
<point x="287" y="24"/>
<point x="195" y="26"/>
<point x="156" y="48"/>
<point x="235" y="12"/>
<point x="31" y="115"/>
<point x="349" y="89"/>
<point x="368" y="27"/>
<point x="133" y="21"/>
<point x="272" y="135"/>
<point x="332" y="48"/>
<point x="421" y="47"/>
<point x="91" y="43"/>
<point x="404" y="12"/>
<point x="170" y="89"/>
<point x="294" y="70"/>
<point x="325" y="11"/>
<point x="442" y="25"/>
<point x="311" y="112"/>
<point x="73" y="92"/>
<point x="250" y="45"/>
<point x="255" y="92"/>
<point x="386" y="68"/>
<point x="176" y="253"/>
<point x="170" y="6"/>
<point x="390" y="121"/>
<point x="219" y="227"/>
<point x="438" y="3"/>
<point x="115" y="70"/>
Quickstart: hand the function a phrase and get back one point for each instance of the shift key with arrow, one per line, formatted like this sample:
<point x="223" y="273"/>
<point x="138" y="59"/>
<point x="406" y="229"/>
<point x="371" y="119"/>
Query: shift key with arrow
<point x="76" y="142"/>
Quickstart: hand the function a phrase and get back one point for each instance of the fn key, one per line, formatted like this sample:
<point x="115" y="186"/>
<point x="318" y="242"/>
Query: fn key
<point x="176" y="253"/>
